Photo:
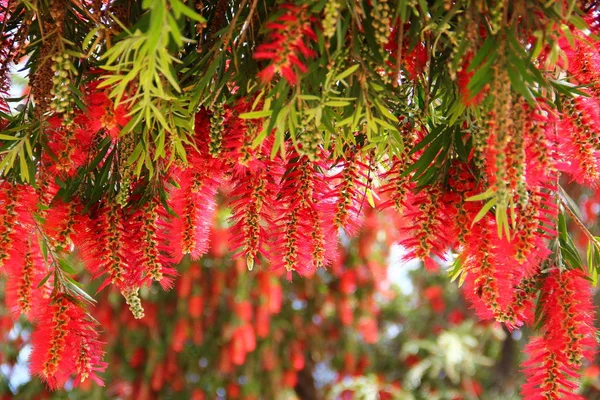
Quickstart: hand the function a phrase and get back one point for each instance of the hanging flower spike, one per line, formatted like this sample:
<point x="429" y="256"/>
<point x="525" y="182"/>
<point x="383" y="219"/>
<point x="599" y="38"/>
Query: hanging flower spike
<point x="239" y="153"/>
<point x="583" y="61"/>
<point x="463" y="185"/>
<point x="534" y="228"/>
<point x="290" y="35"/>
<point x="18" y="203"/>
<point x="301" y="226"/>
<point x="24" y="273"/>
<point x="578" y="141"/>
<point x="250" y="214"/>
<point x="64" y="341"/>
<point x="61" y="222"/>
<point x="398" y="185"/>
<point x="349" y="192"/>
<point x="150" y="249"/>
<point x="568" y="337"/>
<point x="520" y="310"/>
<point x="104" y="249"/>
<point x="428" y="232"/>
<point x="489" y="282"/>
<point x="194" y="203"/>
<point x="217" y="121"/>
<point x="538" y="148"/>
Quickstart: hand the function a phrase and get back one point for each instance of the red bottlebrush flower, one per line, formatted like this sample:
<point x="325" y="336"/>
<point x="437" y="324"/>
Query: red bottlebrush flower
<point x="349" y="192"/>
<point x="428" y="235"/>
<point x="150" y="248"/>
<point x="415" y="60"/>
<point x="238" y="136"/>
<point x="537" y="149"/>
<point x="583" y="61"/>
<point x="103" y="116"/>
<point x="194" y="203"/>
<point x="578" y="140"/>
<point x="16" y="218"/>
<point x="534" y="225"/>
<point x="290" y="37"/>
<point x="568" y="337"/>
<point x="489" y="281"/>
<point x="104" y="250"/>
<point x="25" y="270"/>
<point x="307" y="235"/>
<point x="61" y="222"/>
<point x="252" y="193"/>
<point x="64" y="342"/>
<point x="70" y="145"/>
<point x="397" y="184"/>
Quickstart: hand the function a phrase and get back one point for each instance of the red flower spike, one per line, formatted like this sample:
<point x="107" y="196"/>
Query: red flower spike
<point x="24" y="273"/>
<point x="65" y="341"/>
<point x="16" y="218"/>
<point x="305" y="229"/>
<point x="194" y="202"/>
<point x="578" y="141"/>
<point x="537" y="149"/>
<point x="250" y="214"/>
<point x="70" y="146"/>
<point x="290" y="37"/>
<point x="583" y="61"/>
<point x="104" y="250"/>
<point x="103" y="117"/>
<point x="349" y="192"/>
<point x="428" y="234"/>
<point x="61" y="222"/>
<point x="568" y="338"/>
<point x="397" y="186"/>
<point x="150" y="247"/>
<point x="488" y="283"/>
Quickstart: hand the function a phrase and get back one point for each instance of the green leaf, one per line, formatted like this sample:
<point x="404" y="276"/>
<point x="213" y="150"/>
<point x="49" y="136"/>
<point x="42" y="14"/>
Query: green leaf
<point x="370" y="199"/>
<point x="482" y="196"/>
<point x="180" y="8"/>
<point x="347" y="72"/>
<point x="43" y="281"/>
<point x="256" y="114"/>
<point x="65" y="266"/>
<point x="73" y="287"/>
<point x="482" y="53"/>
<point x="484" y="210"/>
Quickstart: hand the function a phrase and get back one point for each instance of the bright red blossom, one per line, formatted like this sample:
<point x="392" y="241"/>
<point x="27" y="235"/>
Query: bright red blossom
<point x="290" y="37"/>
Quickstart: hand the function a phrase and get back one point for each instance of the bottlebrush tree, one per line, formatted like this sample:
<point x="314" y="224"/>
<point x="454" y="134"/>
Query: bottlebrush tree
<point x="467" y="117"/>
